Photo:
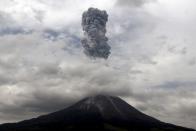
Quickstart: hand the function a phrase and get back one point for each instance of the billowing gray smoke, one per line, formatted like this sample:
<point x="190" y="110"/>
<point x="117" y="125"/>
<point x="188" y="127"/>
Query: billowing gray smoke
<point x="94" y="27"/>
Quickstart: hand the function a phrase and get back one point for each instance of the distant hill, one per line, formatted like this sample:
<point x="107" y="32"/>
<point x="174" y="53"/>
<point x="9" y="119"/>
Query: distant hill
<point x="96" y="113"/>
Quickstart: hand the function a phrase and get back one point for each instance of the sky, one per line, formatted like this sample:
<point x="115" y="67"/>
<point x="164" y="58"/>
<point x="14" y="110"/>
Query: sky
<point x="152" y="63"/>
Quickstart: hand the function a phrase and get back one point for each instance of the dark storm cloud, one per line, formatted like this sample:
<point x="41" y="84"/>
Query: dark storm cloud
<point x="13" y="31"/>
<point x="5" y="18"/>
<point x="49" y="88"/>
<point x="177" y="84"/>
<point x="8" y="26"/>
<point x="192" y="61"/>
<point x="132" y="2"/>
<point x="61" y="34"/>
<point x="48" y="102"/>
<point x="51" y="34"/>
<point x="5" y="80"/>
<point x="178" y="50"/>
<point x="94" y="27"/>
<point x="39" y="15"/>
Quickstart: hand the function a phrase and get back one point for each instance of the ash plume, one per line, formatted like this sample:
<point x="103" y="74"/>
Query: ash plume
<point x="94" y="27"/>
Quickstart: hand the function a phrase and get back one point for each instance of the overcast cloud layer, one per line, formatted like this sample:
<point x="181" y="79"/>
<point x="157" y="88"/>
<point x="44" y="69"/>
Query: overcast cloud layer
<point x="152" y="64"/>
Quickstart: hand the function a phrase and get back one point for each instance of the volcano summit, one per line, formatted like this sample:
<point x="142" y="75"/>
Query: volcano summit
<point x="94" y="113"/>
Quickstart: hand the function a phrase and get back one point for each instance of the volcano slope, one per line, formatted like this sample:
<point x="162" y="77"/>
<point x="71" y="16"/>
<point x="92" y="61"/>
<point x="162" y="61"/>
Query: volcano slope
<point x="95" y="113"/>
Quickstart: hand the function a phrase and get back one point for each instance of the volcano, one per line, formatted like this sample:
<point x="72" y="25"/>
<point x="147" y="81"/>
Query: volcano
<point x="96" y="113"/>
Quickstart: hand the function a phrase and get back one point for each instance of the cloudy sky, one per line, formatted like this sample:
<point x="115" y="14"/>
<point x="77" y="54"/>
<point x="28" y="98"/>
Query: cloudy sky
<point x="152" y="63"/>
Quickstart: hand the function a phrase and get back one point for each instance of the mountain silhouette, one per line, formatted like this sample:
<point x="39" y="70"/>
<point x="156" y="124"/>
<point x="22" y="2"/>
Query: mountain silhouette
<point x="96" y="113"/>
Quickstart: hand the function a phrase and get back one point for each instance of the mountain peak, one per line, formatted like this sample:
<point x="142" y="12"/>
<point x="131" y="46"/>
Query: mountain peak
<point x="99" y="112"/>
<point x="112" y="108"/>
<point x="105" y="105"/>
<point x="99" y="99"/>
